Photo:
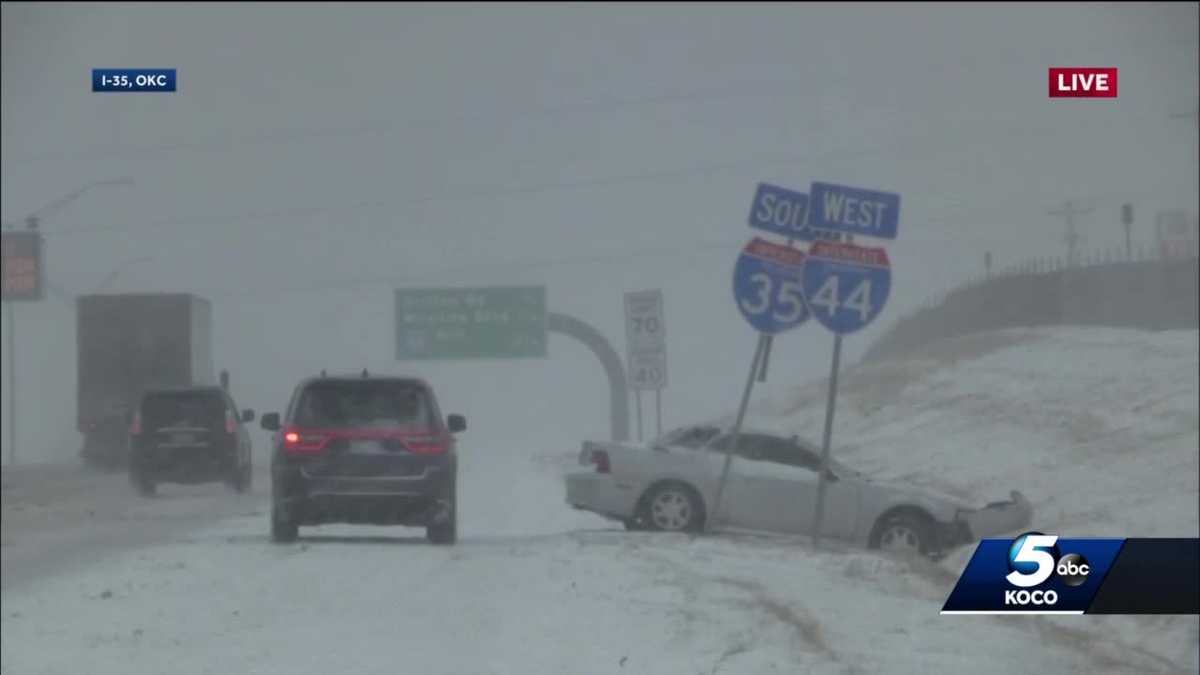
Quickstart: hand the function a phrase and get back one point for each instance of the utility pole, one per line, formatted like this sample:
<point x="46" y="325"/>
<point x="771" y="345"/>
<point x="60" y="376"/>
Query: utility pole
<point x="1127" y="222"/>
<point x="1068" y="213"/>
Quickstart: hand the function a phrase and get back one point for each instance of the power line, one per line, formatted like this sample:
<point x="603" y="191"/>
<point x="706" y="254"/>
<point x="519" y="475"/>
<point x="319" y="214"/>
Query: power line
<point x="777" y="90"/>
<point x="471" y="193"/>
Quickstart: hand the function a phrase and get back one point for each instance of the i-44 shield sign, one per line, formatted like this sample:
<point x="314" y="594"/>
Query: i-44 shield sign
<point x="645" y="339"/>
<point x="846" y="286"/>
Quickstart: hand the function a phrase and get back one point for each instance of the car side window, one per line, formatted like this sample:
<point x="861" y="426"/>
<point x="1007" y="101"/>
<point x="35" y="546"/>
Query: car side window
<point x="790" y="453"/>
<point x="749" y="445"/>
<point x="695" y="437"/>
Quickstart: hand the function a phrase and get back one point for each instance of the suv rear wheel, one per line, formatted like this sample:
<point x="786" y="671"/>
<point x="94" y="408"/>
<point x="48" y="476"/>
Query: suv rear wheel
<point x="240" y="481"/>
<point x="284" y="530"/>
<point x="143" y="483"/>
<point x="446" y="531"/>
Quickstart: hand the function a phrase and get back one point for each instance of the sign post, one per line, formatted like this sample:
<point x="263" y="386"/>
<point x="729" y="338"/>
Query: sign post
<point x="846" y="286"/>
<point x="646" y="349"/>
<point x="657" y="412"/>
<point x="22" y="275"/>
<point x="12" y="384"/>
<point x="767" y="290"/>
<point x="735" y="435"/>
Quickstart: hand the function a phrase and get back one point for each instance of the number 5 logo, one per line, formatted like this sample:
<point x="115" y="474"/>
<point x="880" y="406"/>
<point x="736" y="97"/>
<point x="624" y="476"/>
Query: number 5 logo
<point x="1029" y="550"/>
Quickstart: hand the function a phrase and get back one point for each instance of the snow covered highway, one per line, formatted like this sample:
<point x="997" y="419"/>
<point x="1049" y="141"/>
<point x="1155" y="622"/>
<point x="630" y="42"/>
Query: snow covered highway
<point x="1098" y="427"/>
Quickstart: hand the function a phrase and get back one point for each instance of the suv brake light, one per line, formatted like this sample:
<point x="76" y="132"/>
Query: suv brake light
<point x="299" y="441"/>
<point x="230" y="423"/>
<point x="425" y="445"/>
<point x="135" y="425"/>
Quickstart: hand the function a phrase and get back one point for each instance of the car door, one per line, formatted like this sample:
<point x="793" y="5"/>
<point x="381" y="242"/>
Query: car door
<point x="764" y="493"/>
<point x="840" y="517"/>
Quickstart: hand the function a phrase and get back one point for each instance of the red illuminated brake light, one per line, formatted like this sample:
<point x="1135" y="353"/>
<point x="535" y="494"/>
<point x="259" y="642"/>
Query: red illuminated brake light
<point x="300" y="441"/>
<point x="135" y="425"/>
<point x="426" y="445"/>
<point x="230" y="423"/>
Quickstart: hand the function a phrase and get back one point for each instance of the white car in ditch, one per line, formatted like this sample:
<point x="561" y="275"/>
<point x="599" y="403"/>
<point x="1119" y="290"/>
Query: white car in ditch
<point x="671" y="483"/>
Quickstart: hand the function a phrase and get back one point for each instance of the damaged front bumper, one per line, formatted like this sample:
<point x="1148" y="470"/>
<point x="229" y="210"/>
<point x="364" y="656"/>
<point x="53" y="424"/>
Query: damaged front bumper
<point x="994" y="519"/>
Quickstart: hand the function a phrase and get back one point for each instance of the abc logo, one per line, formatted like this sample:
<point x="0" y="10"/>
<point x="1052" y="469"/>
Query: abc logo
<point x="1032" y="559"/>
<point x="1073" y="569"/>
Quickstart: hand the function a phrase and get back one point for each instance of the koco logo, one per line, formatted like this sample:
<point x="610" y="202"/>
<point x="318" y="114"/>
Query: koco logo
<point x="1083" y="83"/>
<point x="1032" y="559"/>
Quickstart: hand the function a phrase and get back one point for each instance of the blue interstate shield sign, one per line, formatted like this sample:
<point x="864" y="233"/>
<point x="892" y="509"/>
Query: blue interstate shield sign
<point x="846" y="286"/>
<point x="767" y="286"/>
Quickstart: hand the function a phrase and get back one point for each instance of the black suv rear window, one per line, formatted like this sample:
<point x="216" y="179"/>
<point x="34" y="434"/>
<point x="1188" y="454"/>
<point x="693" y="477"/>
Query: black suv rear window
<point x="183" y="409"/>
<point x="379" y="403"/>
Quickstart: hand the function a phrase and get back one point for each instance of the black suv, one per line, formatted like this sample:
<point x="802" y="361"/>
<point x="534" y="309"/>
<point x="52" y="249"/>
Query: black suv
<point x="189" y="435"/>
<point x="364" y="450"/>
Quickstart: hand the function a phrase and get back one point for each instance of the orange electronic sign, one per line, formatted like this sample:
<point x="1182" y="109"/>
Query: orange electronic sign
<point x="22" y="265"/>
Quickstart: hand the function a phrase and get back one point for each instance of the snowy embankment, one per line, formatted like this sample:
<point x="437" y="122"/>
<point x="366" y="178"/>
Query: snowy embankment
<point x="1098" y="427"/>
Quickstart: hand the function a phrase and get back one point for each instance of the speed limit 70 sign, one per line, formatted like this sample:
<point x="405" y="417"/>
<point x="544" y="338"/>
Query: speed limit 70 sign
<point x="645" y="340"/>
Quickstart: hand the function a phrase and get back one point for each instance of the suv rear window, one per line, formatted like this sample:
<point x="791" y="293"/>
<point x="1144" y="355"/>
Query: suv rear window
<point x="183" y="409"/>
<point x="380" y="403"/>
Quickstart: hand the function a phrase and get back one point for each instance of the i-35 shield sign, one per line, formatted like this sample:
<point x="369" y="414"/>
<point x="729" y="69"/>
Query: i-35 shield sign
<point x="846" y="286"/>
<point x="767" y="286"/>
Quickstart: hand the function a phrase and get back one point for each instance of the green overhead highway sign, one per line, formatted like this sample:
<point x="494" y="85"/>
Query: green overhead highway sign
<point x="507" y="322"/>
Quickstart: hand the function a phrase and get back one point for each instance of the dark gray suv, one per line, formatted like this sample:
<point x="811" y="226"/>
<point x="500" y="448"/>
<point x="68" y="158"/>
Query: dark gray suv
<point x="364" y="450"/>
<point x="189" y="435"/>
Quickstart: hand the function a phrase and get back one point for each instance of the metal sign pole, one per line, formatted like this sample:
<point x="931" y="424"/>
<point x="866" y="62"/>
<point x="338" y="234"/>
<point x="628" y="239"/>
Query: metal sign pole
<point x="658" y="412"/>
<point x="637" y="397"/>
<point x="830" y="402"/>
<point x="735" y="435"/>
<point x="766" y="358"/>
<point x="12" y="384"/>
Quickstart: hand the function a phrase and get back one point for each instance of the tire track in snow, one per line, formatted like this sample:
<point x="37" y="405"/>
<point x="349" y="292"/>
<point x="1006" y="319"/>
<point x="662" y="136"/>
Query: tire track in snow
<point x="753" y="596"/>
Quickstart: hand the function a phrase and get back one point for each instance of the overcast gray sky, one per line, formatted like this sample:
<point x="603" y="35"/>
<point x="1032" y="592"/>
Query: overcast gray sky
<point x="317" y="156"/>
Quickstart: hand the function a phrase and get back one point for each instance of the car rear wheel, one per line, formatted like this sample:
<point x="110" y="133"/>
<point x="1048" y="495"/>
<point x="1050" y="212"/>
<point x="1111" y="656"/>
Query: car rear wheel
<point x="144" y="485"/>
<point x="445" y="530"/>
<point x="240" y="481"/>
<point x="905" y="534"/>
<point x="284" y="530"/>
<point x="672" y="507"/>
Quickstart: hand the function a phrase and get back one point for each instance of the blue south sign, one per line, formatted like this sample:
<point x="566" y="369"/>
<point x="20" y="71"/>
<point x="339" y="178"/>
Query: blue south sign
<point x="767" y="286"/>
<point x="846" y="286"/>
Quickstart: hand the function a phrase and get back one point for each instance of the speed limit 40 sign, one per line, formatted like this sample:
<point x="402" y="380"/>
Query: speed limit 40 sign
<point x="645" y="340"/>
